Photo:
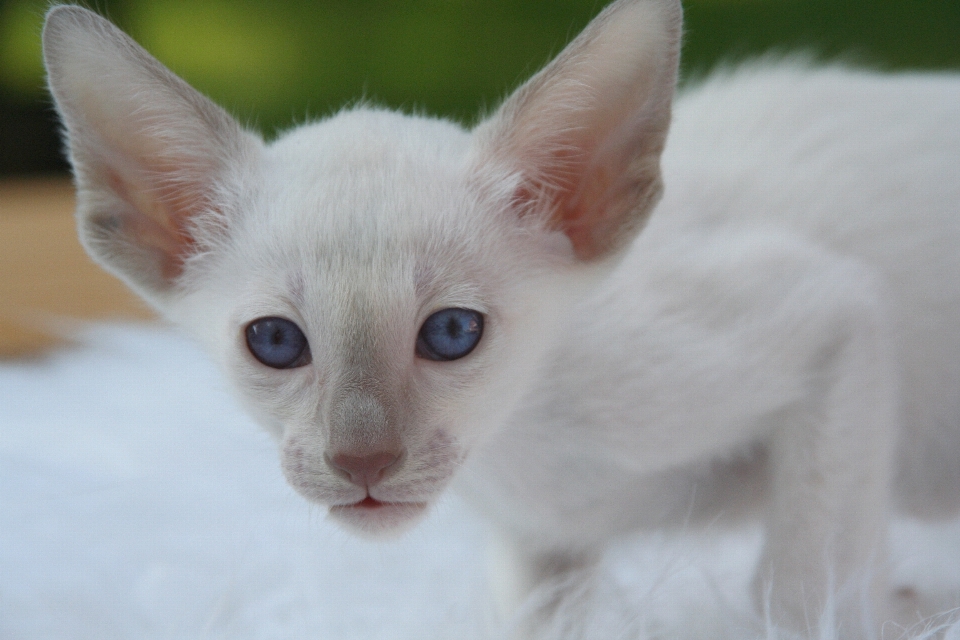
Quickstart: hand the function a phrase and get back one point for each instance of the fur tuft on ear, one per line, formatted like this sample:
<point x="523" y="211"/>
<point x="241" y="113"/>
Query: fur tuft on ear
<point x="150" y="154"/>
<point x="584" y="135"/>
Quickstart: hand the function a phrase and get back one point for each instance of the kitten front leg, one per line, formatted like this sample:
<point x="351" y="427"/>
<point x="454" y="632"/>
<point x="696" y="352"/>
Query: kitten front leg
<point x="831" y="467"/>
<point x="530" y="586"/>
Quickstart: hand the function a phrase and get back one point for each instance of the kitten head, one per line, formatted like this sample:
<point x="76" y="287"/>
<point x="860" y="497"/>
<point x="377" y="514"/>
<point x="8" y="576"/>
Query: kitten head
<point x="380" y="288"/>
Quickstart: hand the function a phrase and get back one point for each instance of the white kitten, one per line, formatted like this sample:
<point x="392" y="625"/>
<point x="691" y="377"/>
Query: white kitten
<point x="401" y="301"/>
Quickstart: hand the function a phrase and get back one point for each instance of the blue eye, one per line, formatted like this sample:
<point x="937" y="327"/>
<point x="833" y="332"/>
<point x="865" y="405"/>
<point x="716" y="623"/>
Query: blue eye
<point x="278" y="343"/>
<point x="450" y="334"/>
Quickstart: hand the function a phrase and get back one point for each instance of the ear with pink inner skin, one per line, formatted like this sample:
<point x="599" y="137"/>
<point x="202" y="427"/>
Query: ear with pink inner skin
<point x="584" y="135"/>
<point x="151" y="155"/>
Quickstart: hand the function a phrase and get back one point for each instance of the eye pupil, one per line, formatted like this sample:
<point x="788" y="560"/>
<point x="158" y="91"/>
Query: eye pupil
<point x="450" y="334"/>
<point x="453" y="328"/>
<point x="277" y="343"/>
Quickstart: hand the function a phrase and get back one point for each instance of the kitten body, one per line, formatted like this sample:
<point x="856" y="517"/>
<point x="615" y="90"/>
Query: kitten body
<point x="794" y="272"/>
<point x="782" y="334"/>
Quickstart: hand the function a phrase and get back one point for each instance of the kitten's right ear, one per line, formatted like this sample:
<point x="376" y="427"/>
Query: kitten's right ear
<point x="150" y="154"/>
<point x="582" y="139"/>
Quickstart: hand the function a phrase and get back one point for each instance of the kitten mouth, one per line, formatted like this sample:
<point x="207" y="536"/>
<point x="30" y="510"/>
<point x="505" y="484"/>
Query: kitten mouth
<point x="372" y="503"/>
<point x="377" y="518"/>
<point x="369" y="503"/>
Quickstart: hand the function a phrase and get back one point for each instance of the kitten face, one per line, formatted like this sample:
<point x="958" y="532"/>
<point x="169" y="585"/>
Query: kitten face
<point x="358" y="245"/>
<point x="310" y="266"/>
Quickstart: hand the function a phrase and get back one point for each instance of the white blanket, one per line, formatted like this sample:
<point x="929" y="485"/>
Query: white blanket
<point x="138" y="501"/>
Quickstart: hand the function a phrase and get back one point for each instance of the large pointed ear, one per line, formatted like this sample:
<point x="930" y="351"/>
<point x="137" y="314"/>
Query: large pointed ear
<point x="584" y="136"/>
<point x="151" y="156"/>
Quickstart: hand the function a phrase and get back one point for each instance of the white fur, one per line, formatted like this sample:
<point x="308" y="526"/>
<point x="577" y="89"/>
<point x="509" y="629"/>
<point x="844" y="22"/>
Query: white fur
<point x="782" y="334"/>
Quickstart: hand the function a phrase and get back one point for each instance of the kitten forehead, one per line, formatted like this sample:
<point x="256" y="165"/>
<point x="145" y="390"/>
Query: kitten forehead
<point x="364" y="178"/>
<point x="367" y="205"/>
<point x="363" y="139"/>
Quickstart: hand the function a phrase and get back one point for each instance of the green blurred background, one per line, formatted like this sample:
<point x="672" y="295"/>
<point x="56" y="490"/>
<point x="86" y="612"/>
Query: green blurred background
<point x="275" y="63"/>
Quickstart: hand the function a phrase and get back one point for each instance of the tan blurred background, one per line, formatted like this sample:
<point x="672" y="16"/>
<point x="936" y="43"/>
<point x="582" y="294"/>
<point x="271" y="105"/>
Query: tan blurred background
<point x="278" y="62"/>
<point x="46" y="279"/>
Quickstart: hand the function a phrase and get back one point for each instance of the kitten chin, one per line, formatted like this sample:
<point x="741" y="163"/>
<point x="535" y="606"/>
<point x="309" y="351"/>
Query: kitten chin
<point x="373" y="519"/>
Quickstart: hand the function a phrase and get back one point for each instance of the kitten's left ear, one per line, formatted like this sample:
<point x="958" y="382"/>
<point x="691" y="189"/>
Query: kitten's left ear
<point x="584" y="136"/>
<point x="151" y="155"/>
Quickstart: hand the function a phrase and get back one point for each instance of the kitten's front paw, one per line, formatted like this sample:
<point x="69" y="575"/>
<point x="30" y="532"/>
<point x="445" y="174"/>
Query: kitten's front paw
<point x="808" y="602"/>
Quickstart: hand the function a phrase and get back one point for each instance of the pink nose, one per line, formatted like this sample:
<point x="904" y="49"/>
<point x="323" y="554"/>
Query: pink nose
<point x="364" y="471"/>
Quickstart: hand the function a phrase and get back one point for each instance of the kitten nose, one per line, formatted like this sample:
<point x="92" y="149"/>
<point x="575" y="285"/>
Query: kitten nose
<point x="364" y="471"/>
